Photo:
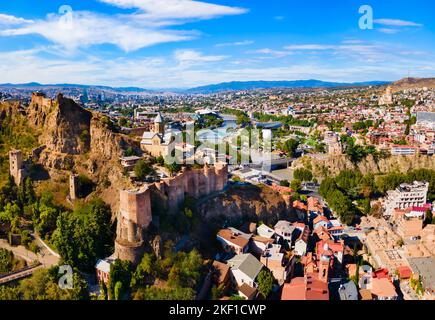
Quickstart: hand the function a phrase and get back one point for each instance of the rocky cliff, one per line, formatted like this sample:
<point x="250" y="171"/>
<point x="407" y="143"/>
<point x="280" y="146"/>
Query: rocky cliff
<point x="64" y="126"/>
<point x="245" y="203"/>
<point x="323" y="166"/>
<point x="78" y="140"/>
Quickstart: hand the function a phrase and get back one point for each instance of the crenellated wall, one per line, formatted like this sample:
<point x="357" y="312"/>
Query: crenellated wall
<point x="195" y="183"/>
<point x="135" y="211"/>
<point x="133" y="218"/>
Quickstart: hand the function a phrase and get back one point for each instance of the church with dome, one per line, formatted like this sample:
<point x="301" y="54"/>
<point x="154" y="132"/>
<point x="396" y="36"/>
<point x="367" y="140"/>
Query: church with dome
<point x="157" y="142"/>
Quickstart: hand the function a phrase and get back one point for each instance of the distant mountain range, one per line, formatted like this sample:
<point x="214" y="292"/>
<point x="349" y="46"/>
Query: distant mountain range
<point x="251" y="85"/>
<point x="214" y="88"/>
<point x="39" y="86"/>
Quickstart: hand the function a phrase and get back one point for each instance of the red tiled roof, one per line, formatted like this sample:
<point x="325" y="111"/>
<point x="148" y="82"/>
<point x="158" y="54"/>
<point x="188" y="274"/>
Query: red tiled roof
<point x="404" y="272"/>
<point x="332" y="246"/>
<point x="381" y="273"/>
<point x="234" y="238"/>
<point x="305" y="288"/>
<point x="281" y="189"/>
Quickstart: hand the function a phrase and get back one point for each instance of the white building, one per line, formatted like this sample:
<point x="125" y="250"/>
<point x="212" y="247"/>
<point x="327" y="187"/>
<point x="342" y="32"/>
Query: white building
<point x="265" y="231"/>
<point x="245" y="269"/>
<point x="406" y="195"/>
<point x="284" y="230"/>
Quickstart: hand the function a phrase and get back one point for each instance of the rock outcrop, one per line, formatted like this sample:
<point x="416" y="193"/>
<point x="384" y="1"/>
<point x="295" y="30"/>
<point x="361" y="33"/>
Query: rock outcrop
<point x="327" y="165"/>
<point x="246" y="203"/>
<point x="79" y="140"/>
<point x="64" y="126"/>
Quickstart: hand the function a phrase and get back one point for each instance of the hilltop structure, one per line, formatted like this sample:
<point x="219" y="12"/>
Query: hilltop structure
<point x="135" y="209"/>
<point x="73" y="186"/>
<point x="387" y="98"/>
<point x="195" y="183"/>
<point x="134" y="217"/>
<point x="16" y="166"/>
<point x="156" y="142"/>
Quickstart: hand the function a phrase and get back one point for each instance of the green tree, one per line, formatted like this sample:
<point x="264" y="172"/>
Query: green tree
<point x="296" y="185"/>
<point x="118" y="290"/>
<point x="265" y="282"/>
<point x="155" y="293"/>
<point x="289" y="147"/>
<point x="43" y="285"/>
<point x="142" y="169"/>
<point x="129" y="152"/>
<point x="303" y="174"/>
<point x="6" y="261"/>
<point x="284" y="183"/>
<point x="84" y="235"/>
<point x="120" y="272"/>
<point x="146" y="271"/>
<point x="217" y="291"/>
<point x="173" y="168"/>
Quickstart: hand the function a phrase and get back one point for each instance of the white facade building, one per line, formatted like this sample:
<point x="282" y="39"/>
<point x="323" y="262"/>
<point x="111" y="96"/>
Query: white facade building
<point x="406" y="195"/>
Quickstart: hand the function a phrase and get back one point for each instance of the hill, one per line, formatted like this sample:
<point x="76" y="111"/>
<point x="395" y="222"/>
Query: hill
<point x="34" y="86"/>
<point x="213" y="88"/>
<point x="62" y="137"/>
<point x="413" y="83"/>
<point x="252" y="85"/>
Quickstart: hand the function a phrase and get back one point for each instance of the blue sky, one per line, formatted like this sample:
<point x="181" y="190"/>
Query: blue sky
<point x="185" y="43"/>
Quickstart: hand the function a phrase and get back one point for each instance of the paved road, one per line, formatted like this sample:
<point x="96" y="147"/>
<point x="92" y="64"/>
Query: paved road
<point x="19" y="251"/>
<point x="46" y="256"/>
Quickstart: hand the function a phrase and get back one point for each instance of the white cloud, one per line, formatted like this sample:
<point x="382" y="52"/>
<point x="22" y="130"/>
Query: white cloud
<point x="187" y="58"/>
<point x="237" y="43"/>
<point x="129" y="32"/>
<point x="271" y="52"/>
<point x="309" y="47"/>
<point x="6" y="19"/>
<point x="397" y="23"/>
<point x="388" y="30"/>
<point x="88" y="28"/>
<point x="187" y="68"/>
<point x="177" y="9"/>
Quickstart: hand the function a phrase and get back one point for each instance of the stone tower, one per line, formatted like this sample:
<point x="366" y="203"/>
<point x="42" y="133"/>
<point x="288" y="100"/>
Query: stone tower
<point x="16" y="169"/>
<point x="134" y="217"/>
<point x="159" y="124"/>
<point x="387" y="98"/>
<point x="73" y="186"/>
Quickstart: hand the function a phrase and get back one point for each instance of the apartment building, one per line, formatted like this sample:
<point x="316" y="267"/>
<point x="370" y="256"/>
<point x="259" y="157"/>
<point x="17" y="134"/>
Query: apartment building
<point x="406" y="195"/>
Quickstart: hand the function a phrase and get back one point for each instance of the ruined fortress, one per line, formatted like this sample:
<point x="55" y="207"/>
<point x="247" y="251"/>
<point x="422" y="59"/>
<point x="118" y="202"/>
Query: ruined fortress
<point x="135" y="209"/>
<point x="16" y="166"/>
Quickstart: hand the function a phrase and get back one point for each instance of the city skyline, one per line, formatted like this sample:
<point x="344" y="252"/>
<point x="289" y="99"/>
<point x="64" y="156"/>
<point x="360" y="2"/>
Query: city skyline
<point x="140" y="43"/>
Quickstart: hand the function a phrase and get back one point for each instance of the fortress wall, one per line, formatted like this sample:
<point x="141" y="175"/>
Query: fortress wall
<point x="129" y="252"/>
<point x="135" y="213"/>
<point x="195" y="183"/>
<point x="135" y="206"/>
